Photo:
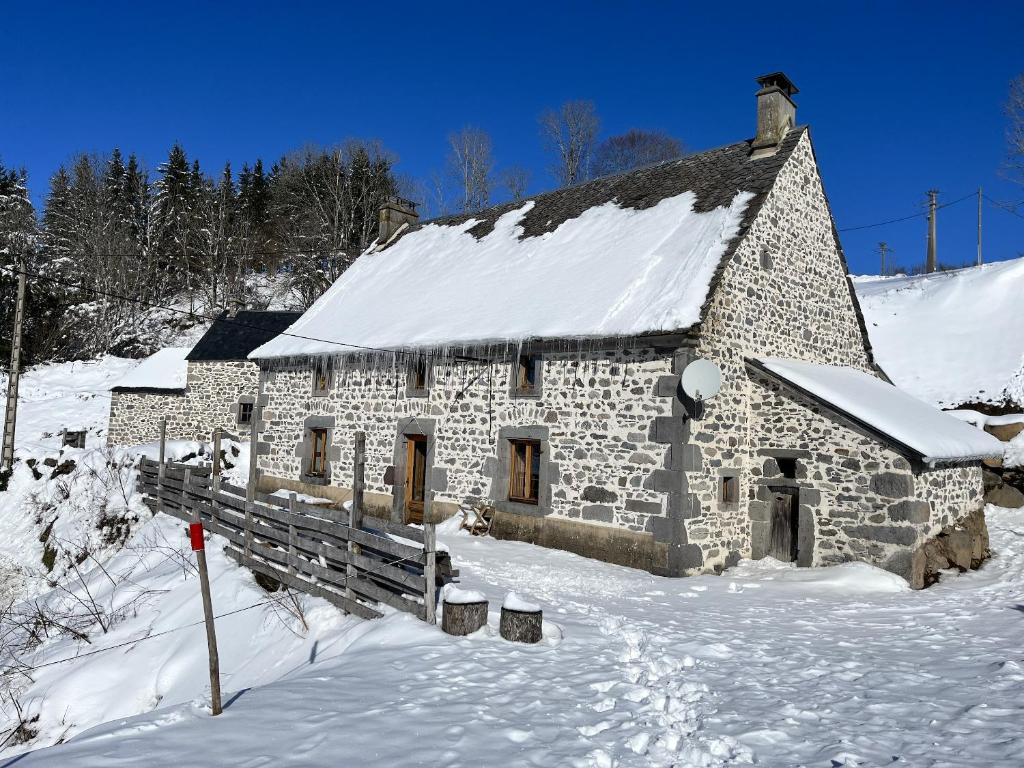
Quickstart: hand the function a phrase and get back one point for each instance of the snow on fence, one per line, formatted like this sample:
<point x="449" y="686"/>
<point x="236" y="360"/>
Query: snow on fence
<point x="310" y="548"/>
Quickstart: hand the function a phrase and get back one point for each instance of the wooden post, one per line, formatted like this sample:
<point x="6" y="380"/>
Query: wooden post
<point x="355" y="519"/>
<point x="430" y="573"/>
<point x="292" y="549"/>
<point x="161" y="467"/>
<point x="215" y="471"/>
<point x="250" y="489"/>
<point x="198" y="546"/>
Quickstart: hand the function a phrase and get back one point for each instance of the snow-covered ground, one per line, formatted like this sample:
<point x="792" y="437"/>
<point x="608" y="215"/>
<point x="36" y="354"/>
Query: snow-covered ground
<point x="766" y="664"/>
<point x="950" y="338"/>
<point x="65" y="395"/>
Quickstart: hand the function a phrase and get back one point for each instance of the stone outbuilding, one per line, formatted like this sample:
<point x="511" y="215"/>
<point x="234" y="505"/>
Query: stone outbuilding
<point x="211" y="385"/>
<point x="529" y="357"/>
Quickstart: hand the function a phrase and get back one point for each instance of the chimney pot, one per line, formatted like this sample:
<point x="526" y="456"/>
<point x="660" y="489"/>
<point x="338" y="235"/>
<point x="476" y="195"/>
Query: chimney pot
<point x="776" y="110"/>
<point x="235" y="305"/>
<point x="393" y="214"/>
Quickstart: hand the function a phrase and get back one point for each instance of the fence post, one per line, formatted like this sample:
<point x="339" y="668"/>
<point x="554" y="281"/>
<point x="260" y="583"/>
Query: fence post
<point x="355" y="519"/>
<point x="160" y="468"/>
<point x="429" y="573"/>
<point x="215" y="470"/>
<point x="250" y="489"/>
<point x="293" y="551"/>
<point x="199" y="547"/>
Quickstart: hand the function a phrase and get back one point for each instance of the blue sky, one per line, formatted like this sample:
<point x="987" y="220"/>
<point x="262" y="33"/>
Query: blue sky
<point x="901" y="96"/>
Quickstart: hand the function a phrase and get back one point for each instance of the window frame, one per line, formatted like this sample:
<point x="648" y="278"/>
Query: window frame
<point x="414" y="387"/>
<point x="318" y="436"/>
<point x="729" y="489"/>
<point x="245" y="405"/>
<point x="522" y="367"/>
<point x="533" y="449"/>
<point x="321" y="378"/>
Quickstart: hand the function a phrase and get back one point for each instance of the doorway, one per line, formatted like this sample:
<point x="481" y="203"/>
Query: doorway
<point x="782" y="538"/>
<point x="415" y="477"/>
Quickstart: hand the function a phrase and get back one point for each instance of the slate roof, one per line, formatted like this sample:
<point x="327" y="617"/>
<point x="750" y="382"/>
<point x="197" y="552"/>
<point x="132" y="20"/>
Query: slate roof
<point x="631" y="254"/>
<point x="714" y="176"/>
<point x="233" y="338"/>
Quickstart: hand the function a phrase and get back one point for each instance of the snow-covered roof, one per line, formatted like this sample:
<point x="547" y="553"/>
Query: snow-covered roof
<point x="933" y="435"/>
<point x="621" y="256"/>
<point x="164" y="370"/>
<point x="950" y="338"/>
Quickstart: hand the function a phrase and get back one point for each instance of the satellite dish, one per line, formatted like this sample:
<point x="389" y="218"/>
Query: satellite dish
<point x="701" y="380"/>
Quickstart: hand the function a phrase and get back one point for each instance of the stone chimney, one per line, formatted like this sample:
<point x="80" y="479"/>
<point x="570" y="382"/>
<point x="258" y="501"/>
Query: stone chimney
<point x="393" y="214"/>
<point x="776" y="111"/>
<point x="235" y="305"/>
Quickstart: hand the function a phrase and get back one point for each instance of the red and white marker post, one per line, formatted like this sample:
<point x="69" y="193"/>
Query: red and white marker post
<point x="195" y="535"/>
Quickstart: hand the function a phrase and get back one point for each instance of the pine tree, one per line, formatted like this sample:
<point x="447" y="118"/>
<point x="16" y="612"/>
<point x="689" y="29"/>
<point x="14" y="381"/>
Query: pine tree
<point x="171" y="212"/>
<point x="59" y="223"/>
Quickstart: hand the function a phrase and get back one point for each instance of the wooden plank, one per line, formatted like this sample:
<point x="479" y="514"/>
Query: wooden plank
<point x="353" y="607"/>
<point x="396" y="529"/>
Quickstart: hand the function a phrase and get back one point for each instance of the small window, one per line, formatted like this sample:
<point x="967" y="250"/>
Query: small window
<point x="786" y="466"/>
<point x="419" y="376"/>
<point x="524" y="474"/>
<point x="245" y="413"/>
<point x="528" y="374"/>
<point x="321" y="378"/>
<point x="317" y="452"/>
<point x="729" y="489"/>
<point x="766" y="259"/>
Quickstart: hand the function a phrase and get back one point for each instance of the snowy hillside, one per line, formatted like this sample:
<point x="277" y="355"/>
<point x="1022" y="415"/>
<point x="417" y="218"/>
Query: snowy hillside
<point x="950" y="338"/>
<point x="766" y="664"/>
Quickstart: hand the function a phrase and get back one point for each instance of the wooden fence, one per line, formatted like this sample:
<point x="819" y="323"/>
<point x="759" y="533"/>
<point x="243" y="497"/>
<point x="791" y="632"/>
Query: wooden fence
<point x="322" y="551"/>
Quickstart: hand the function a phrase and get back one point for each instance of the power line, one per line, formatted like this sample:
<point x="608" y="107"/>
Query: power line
<point x="908" y="218"/>
<point x="1008" y="207"/>
<point x="207" y="318"/>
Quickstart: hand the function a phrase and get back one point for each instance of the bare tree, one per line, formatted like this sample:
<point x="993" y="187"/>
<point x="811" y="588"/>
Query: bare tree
<point x="470" y="165"/>
<point x="570" y="133"/>
<point x="634" y="149"/>
<point x="515" y="179"/>
<point x="1015" y="131"/>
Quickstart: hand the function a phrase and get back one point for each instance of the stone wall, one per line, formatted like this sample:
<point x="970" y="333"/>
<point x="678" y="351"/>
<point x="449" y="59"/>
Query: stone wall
<point x="595" y="416"/>
<point x="210" y="400"/>
<point x="783" y="293"/>
<point x="135" y="416"/>
<point x="865" y="500"/>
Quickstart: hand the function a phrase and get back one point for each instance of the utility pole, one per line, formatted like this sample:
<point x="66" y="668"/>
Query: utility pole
<point x="883" y="248"/>
<point x="11" y="411"/>
<point x="930" y="262"/>
<point x="979" y="227"/>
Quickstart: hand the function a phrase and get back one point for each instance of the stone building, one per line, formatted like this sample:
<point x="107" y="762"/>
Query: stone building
<point x="211" y="385"/>
<point x="529" y="356"/>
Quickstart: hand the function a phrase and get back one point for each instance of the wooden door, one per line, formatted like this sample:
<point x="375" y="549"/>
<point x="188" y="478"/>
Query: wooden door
<point x="415" y="477"/>
<point x="783" y="540"/>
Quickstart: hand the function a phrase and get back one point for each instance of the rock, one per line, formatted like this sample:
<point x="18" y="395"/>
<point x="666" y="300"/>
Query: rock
<point x="1005" y="432"/>
<point x="959" y="547"/>
<point x="892" y="485"/>
<point x="598" y="495"/>
<point x="910" y="511"/>
<point x="1004" y="495"/>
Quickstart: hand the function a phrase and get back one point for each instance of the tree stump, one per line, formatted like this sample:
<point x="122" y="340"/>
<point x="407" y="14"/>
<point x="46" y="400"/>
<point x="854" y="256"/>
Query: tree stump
<point x="463" y="613"/>
<point x="521" y="622"/>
